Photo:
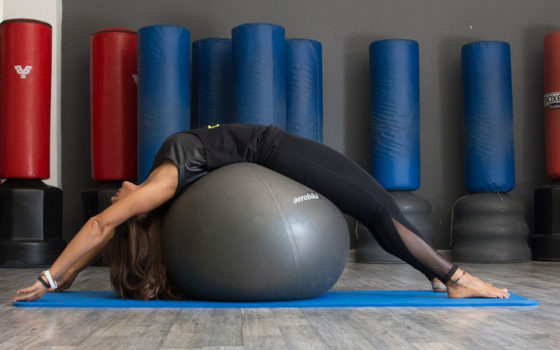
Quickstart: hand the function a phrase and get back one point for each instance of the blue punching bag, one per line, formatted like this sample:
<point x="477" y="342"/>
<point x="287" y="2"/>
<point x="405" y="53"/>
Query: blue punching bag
<point x="259" y="65"/>
<point x="488" y="226"/>
<point x="395" y="110"/>
<point x="304" y="88"/>
<point x="163" y="89"/>
<point x="488" y="117"/>
<point x="212" y="82"/>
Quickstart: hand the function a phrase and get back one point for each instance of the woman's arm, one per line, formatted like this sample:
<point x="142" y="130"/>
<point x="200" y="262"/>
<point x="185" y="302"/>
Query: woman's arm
<point x="93" y="253"/>
<point x="70" y="275"/>
<point x="156" y="190"/>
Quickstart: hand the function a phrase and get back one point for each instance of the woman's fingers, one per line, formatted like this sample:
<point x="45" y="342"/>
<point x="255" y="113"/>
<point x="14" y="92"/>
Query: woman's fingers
<point x="25" y="290"/>
<point x="29" y="296"/>
<point x="24" y="297"/>
<point x="36" y="291"/>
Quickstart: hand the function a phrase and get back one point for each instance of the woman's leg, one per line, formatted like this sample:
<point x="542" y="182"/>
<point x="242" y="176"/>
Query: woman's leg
<point x="357" y="193"/>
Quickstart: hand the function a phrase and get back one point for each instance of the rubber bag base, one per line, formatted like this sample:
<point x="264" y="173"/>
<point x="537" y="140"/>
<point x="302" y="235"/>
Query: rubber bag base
<point x="30" y="223"/>
<point x="490" y="228"/>
<point x="546" y="240"/>
<point x="415" y="209"/>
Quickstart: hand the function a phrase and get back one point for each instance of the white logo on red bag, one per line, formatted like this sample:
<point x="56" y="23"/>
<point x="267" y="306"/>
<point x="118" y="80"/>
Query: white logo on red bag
<point x="135" y="78"/>
<point x="23" y="71"/>
<point x="552" y="100"/>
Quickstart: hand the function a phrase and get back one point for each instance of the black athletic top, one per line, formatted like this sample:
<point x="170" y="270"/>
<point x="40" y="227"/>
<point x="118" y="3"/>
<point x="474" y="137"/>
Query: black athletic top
<point x="197" y="151"/>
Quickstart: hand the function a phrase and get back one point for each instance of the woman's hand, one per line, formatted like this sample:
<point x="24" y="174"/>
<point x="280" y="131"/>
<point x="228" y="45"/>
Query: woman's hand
<point x="36" y="291"/>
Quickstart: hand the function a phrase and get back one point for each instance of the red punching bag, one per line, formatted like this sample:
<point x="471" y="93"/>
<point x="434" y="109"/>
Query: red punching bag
<point x="552" y="103"/>
<point x="113" y="73"/>
<point x="25" y="98"/>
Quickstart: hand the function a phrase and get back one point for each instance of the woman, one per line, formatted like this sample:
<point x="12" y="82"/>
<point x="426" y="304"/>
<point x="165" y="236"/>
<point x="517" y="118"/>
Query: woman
<point x="137" y="265"/>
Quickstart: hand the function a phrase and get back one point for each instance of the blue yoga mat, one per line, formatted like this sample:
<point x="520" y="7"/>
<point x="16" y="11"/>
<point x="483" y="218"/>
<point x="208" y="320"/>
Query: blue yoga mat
<point x="394" y="298"/>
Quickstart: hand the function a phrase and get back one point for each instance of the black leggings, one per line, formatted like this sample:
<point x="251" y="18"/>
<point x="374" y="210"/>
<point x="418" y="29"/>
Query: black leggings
<point x="358" y="194"/>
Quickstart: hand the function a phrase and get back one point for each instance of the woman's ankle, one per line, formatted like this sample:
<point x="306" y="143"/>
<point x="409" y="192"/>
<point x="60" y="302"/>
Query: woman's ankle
<point x="456" y="277"/>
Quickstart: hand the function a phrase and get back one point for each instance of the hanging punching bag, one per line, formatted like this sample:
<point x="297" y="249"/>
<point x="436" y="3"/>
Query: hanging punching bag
<point x="395" y="113"/>
<point x="488" y="225"/>
<point x="259" y="74"/>
<point x="30" y="211"/>
<point x="212" y="82"/>
<point x="164" y="77"/>
<point x="552" y="103"/>
<point x="395" y="137"/>
<point x="488" y="117"/>
<point x="546" y="238"/>
<point x="113" y="71"/>
<point x="25" y="98"/>
<point x="304" y="88"/>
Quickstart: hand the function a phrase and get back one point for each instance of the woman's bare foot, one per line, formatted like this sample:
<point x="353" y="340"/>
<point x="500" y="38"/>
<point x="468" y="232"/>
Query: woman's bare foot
<point x="438" y="286"/>
<point x="465" y="285"/>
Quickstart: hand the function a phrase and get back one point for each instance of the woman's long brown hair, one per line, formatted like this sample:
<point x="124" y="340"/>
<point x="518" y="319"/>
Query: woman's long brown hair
<point x="135" y="257"/>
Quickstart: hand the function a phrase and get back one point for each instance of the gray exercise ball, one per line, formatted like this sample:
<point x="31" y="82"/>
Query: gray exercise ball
<point x="246" y="233"/>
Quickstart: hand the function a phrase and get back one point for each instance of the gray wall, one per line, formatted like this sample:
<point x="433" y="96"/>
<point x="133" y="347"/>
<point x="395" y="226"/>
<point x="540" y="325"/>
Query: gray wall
<point x="345" y="28"/>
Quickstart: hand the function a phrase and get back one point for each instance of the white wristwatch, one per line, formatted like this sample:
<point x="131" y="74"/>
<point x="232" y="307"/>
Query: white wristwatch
<point x="52" y="282"/>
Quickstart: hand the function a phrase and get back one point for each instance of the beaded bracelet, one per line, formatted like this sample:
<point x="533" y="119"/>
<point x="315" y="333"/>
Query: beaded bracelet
<point x="40" y="279"/>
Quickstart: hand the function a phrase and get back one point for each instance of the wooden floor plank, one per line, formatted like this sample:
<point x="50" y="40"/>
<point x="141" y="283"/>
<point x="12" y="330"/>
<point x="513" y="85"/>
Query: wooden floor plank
<point x="358" y="328"/>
